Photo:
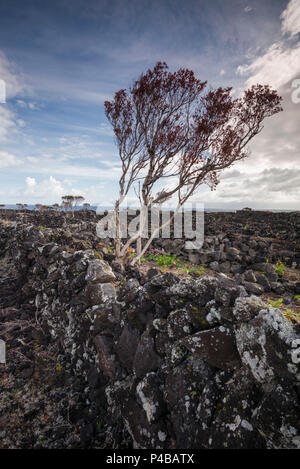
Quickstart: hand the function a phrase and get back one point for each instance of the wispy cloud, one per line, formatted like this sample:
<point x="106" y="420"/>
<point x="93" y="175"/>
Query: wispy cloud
<point x="7" y="160"/>
<point x="15" y="84"/>
<point x="291" y="19"/>
<point x="281" y="62"/>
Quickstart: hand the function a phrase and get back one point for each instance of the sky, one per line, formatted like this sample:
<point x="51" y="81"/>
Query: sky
<point x="60" y="60"/>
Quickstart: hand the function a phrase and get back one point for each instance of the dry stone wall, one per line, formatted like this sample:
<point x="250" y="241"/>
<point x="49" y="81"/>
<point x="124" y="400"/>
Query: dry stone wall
<point x="176" y="363"/>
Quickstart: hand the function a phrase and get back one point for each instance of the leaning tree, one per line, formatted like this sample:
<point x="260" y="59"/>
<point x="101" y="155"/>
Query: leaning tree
<point x="168" y="126"/>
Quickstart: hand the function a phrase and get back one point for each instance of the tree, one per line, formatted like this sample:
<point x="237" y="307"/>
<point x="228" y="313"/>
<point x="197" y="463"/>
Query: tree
<point x="71" y="201"/>
<point x="168" y="126"/>
<point x="67" y="201"/>
<point x="77" y="199"/>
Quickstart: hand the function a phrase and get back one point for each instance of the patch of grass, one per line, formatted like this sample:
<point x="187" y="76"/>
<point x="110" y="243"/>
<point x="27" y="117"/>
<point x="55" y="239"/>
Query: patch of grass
<point x="163" y="260"/>
<point x="276" y="303"/>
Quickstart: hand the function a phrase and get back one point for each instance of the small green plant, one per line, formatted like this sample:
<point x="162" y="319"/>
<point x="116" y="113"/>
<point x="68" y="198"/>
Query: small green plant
<point x="201" y="270"/>
<point x="280" y="268"/>
<point x="41" y="228"/>
<point x="122" y="282"/>
<point x="297" y="297"/>
<point x="98" y="255"/>
<point x="276" y="303"/>
<point x="143" y="259"/>
<point x="163" y="259"/>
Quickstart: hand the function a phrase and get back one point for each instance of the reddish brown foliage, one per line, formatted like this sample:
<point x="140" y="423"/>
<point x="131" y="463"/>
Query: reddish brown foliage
<point x="168" y="124"/>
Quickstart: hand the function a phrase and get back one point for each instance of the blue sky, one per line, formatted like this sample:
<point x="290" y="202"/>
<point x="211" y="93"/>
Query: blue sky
<point x="62" y="59"/>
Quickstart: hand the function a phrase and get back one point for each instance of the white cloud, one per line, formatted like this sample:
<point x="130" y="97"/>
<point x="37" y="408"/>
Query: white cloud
<point x="33" y="106"/>
<point x="30" y="105"/>
<point x="272" y="173"/>
<point x="7" y="123"/>
<point x="106" y="130"/>
<point x="291" y="19"/>
<point x="58" y="167"/>
<point x="276" y="67"/>
<point x="30" y="182"/>
<point x="281" y="62"/>
<point x="247" y="9"/>
<point x="6" y="160"/>
<point x="49" y="188"/>
<point x="256" y="187"/>
<point x="14" y="81"/>
<point x="15" y="86"/>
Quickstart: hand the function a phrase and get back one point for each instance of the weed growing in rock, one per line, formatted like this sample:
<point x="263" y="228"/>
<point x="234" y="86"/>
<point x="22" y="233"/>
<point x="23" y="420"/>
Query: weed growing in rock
<point x="275" y="304"/>
<point x="280" y="268"/>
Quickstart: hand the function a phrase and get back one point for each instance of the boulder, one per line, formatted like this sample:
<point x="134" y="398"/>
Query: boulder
<point x="216" y="346"/>
<point x="247" y="308"/>
<point x="127" y="346"/>
<point x="253" y="288"/>
<point x="265" y="345"/>
<point x="98" y="293"/>
<point x="106" y="356"/>
<point x="99" y="271"/>
<point x="263" y="281"/>
<point x="249" y="276"/>
<point x="146" y="358"/>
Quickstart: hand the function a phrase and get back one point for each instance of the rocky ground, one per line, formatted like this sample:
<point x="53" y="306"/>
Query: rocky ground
<point x="42" y="403"/>
<point x="165" y="356"/>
